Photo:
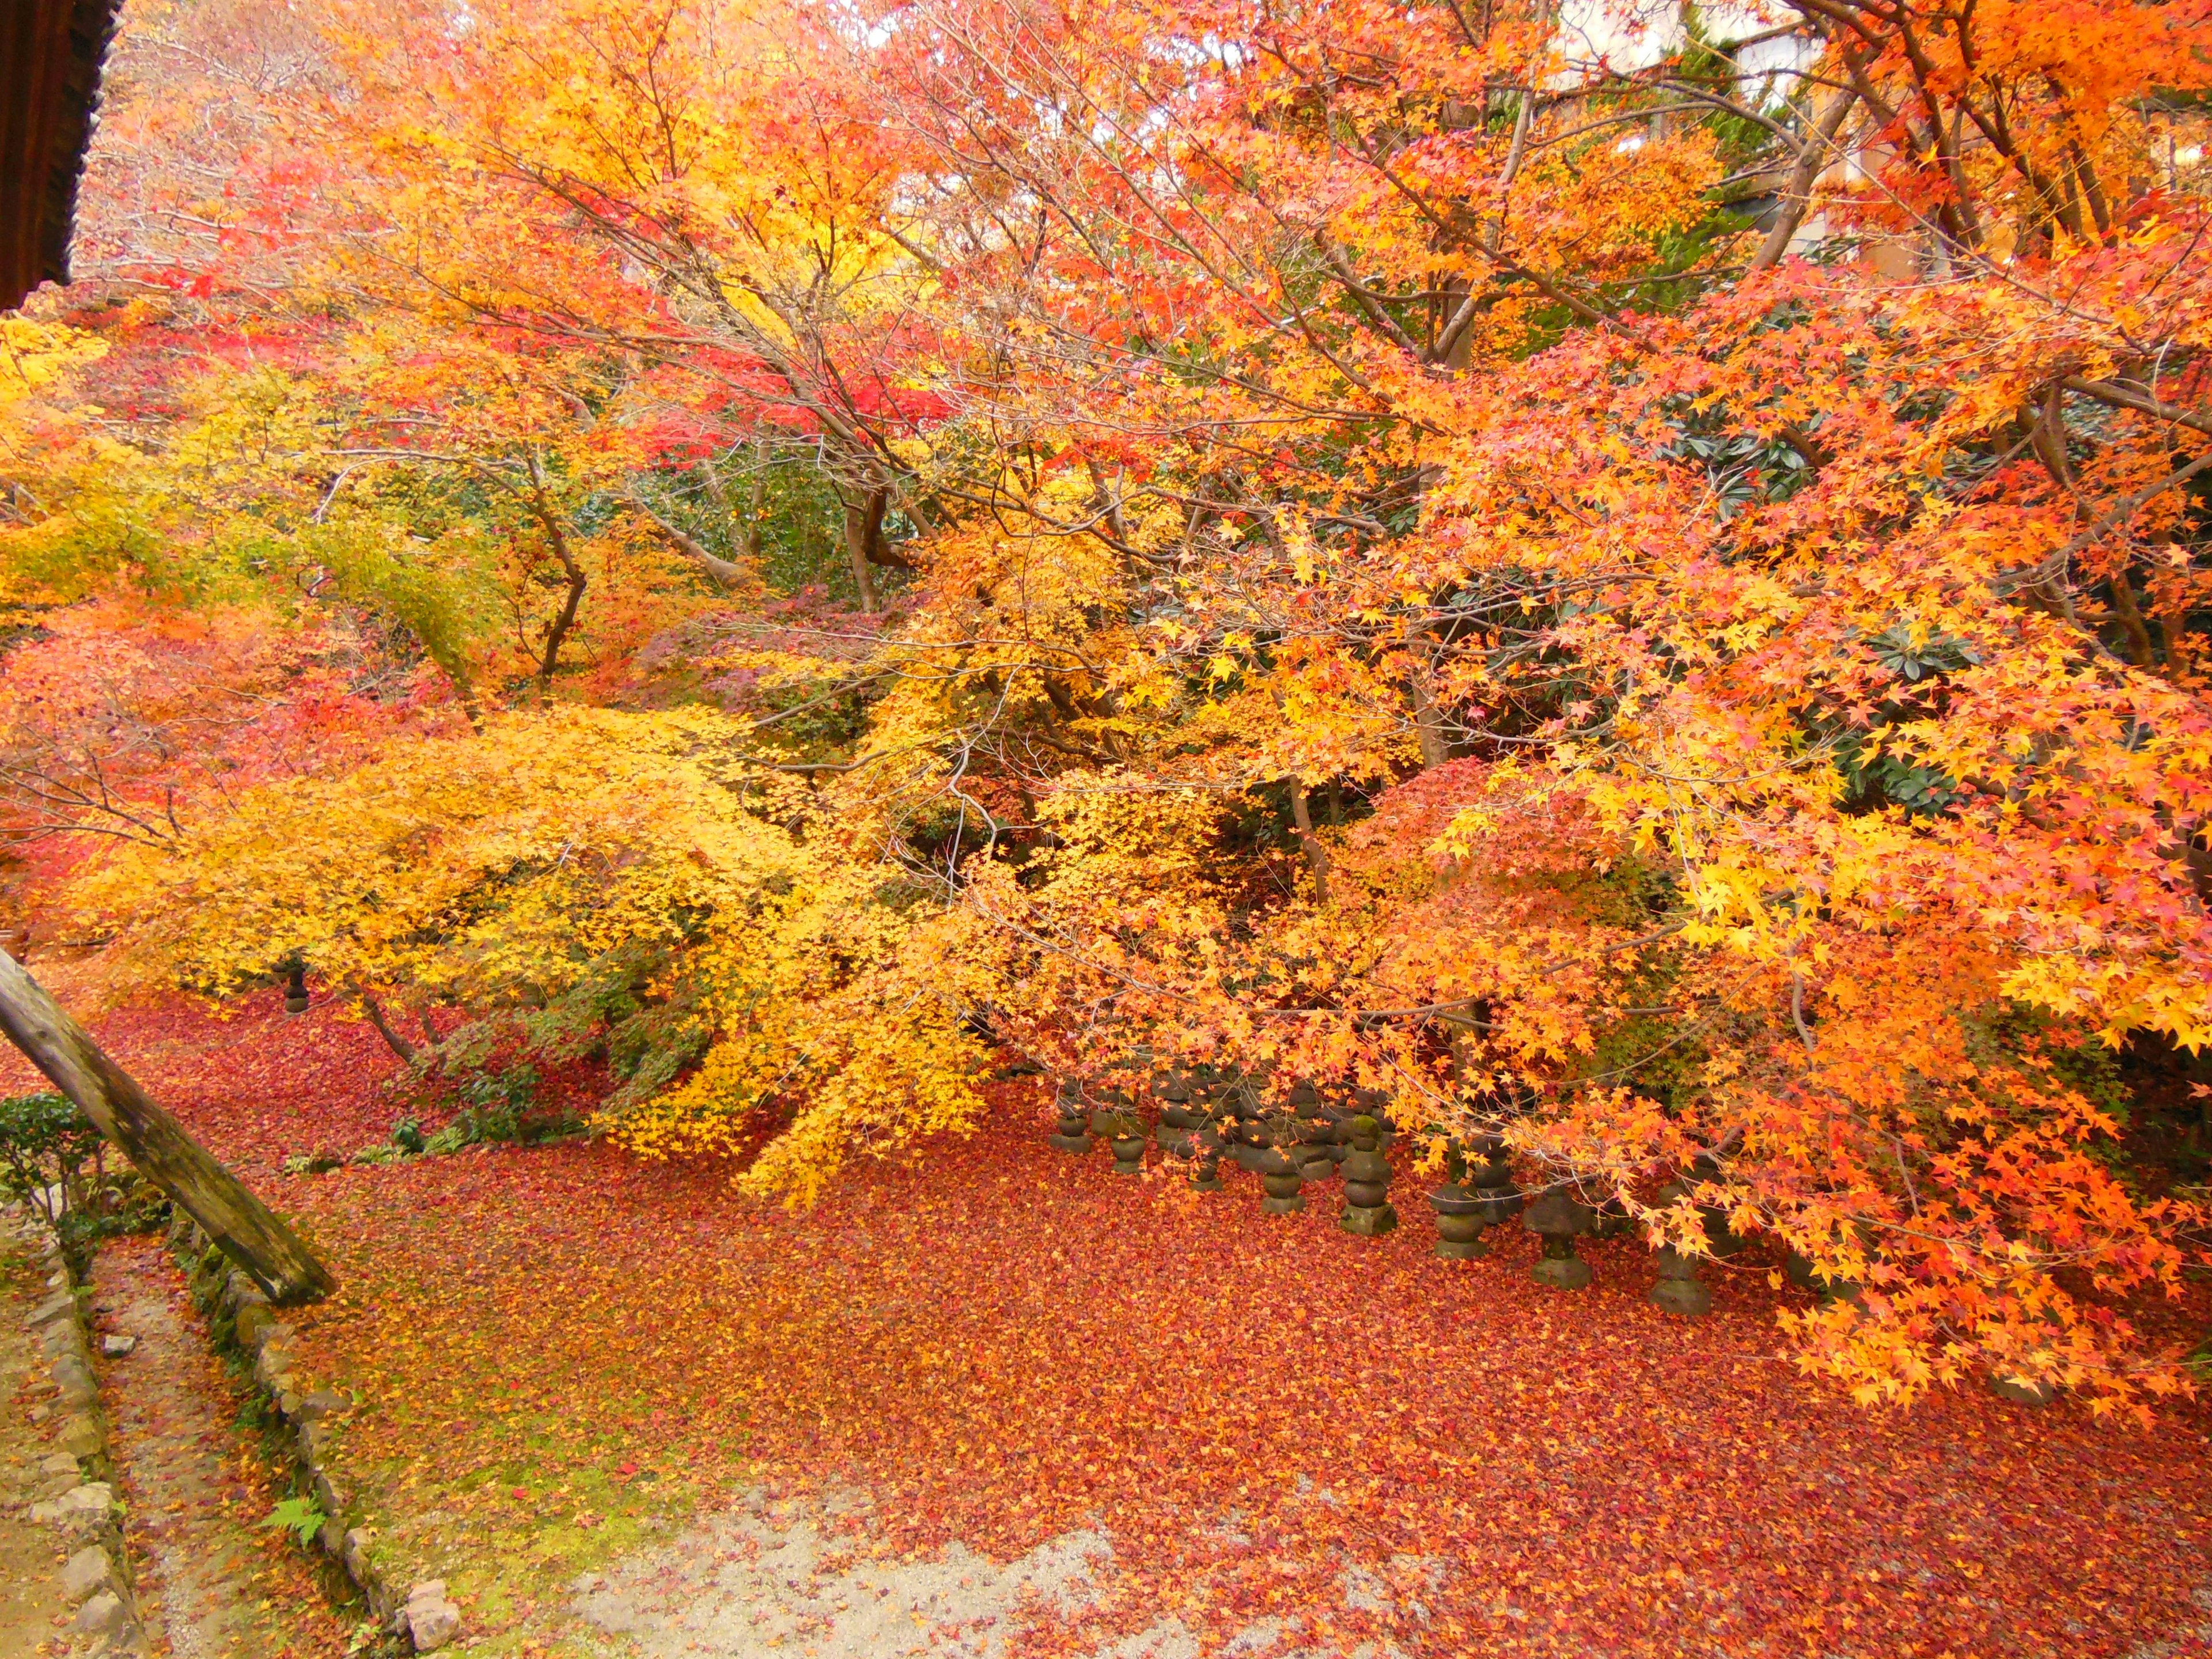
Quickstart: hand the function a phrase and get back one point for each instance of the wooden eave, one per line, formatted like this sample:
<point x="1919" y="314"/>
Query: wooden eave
<point x="51" y="52"/>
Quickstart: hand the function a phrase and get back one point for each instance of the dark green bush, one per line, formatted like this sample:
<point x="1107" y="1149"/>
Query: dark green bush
<point x="51" y="1158"/>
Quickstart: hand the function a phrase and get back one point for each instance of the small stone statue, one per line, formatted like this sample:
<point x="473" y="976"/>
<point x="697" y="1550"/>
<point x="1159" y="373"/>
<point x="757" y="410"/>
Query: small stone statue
<point x="1678" y="1288"/>
<point x="1115" y="1121"/>
<point x="1245" y="1130"/>
<point x="1315" y="1149"/>
<point x="1072" y="1136"/>
<point x="1489" y="1181"/>
<point x="1557" y="1218"/>
<point x="1723" y="1241"/>
<point x="1177" y="1120"/>
<point x="1280" y="1176"/>
<point x="1459" y="1212"/>
<point x="1800" y="1272"/>
<point x="1367" y="1209"/>
<point x="1129" y="1143"/>
<point x="1612" y="1219"/>
<point x="1206" y="1146"/>
<point x="1376" y="1103"/>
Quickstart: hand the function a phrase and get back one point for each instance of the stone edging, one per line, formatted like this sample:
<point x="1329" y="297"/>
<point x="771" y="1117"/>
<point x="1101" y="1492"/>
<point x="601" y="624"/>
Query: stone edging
<point x="97" y="1577"/>
<point x="242" y="1318"/>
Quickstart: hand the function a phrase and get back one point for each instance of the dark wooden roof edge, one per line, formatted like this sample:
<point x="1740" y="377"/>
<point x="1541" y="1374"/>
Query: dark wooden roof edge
<point x="51" y="55"/>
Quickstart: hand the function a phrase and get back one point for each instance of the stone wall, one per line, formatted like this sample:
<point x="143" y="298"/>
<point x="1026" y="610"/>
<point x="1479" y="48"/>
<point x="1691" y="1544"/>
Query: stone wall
<point x="241" y="1317"/>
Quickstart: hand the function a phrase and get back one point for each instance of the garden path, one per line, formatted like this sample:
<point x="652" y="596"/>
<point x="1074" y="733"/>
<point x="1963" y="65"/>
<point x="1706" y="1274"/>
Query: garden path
<point x="213" y="1581"/>
<point x="34" y="1611"/>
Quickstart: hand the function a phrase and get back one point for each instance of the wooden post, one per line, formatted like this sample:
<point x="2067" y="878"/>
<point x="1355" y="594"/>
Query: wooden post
<point x="156" y="1143"/>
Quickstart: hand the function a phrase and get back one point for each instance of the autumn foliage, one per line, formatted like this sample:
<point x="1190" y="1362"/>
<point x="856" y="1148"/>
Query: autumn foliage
<point x="1636" y="582"/>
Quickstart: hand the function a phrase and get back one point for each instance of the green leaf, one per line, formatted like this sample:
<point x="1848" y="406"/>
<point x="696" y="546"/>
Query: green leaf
<point x="298" y="1515"/>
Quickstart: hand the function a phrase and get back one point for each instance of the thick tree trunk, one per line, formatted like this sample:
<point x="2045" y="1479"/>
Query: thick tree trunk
<point x="157" y="1144"/>
<point x="856" y="550"/>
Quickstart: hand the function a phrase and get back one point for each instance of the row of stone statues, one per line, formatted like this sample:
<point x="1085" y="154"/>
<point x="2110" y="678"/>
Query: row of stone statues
<point x="1210" y="1113"/>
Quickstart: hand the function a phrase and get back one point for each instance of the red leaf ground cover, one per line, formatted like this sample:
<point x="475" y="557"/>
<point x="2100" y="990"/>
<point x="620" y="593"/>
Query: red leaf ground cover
<point x="1004" y="1344"/>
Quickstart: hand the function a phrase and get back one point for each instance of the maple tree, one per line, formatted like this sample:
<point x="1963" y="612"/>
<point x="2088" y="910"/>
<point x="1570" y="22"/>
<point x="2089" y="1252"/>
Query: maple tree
<point x="1011" y="1350"/>
<point x="1637" y="586"/>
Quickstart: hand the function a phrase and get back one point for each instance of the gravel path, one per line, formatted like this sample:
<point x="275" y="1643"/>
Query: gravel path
<point x="772" y="1579"/>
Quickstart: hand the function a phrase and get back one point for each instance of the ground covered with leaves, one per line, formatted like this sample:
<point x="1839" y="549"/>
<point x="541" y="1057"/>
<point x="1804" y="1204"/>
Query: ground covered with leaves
<point x="1276" y="1425"/>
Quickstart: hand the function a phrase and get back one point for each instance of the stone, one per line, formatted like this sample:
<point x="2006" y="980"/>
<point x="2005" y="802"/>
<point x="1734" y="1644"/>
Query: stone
<point x="58" y="1464"/>
<point x="1317" y="1152"/>
<point x="1367" y="1211"/>
<point x="430" y="1620"/>
<point x="53" y="1308"/>
<point x="431" y="1625"/>
<point x="80" y="1436"/>
<point x="2023" y="1391"/>
<point x="73" y="1378"/>
<point x="1557" y="1218"/>
<point x="1490" y="1179"/>
<point x="1798" y="1267"/>
<point x="1459" y="1224"/>
<point x="1564" y="1271"/>
<point x="324" y="1402"/>
<point x="1206" y="1170"/>
<point x="1678" y="1289"/>
<point x="356" y="1554"/>
<point x="1172" y="1133"/>
<point x="1071" y="1135"/>
<point x="1611" y="1220"/>
<point x="86" y="1505"/>
<point x="1376" y="1103"/>
<point x="115" y="1347"/>
<point x="90" y="1570"/>
<point x="1720" y="1239"/>
<point x="253" y="1324"/>
<point x="103" y="1615"/>
<point x="1280" y="1179"/>
<point x="1127" y="1132"/>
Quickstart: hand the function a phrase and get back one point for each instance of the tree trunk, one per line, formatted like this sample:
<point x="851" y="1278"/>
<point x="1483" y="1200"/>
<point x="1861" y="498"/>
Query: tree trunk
<point x="1819" y="152"/>
<point x="856" y="549"/>
<point x="1428" y="718"/>
<point x="393" y="1040"/>
<point x="156" y="1143"/>
<point x="1316" y="855"/>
